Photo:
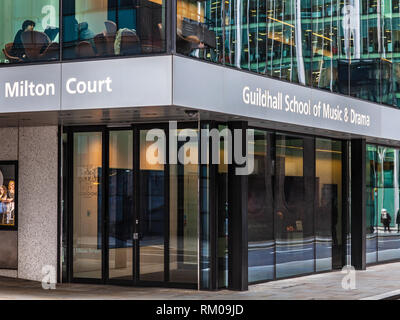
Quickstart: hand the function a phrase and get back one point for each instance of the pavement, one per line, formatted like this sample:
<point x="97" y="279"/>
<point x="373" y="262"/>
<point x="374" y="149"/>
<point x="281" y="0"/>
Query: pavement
<point x="375" y="283"/>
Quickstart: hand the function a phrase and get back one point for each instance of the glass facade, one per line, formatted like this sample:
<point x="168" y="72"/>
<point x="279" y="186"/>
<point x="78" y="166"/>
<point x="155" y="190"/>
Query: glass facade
<point x="93" y="28"/>
<point x="295" y="220"/>
<point x="90" y="28"/>
<point x="383" y="215"/>
<point x="349" y="47"/>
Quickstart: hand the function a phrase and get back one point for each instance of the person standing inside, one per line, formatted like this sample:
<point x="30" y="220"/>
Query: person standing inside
<point x="398" y="220"/>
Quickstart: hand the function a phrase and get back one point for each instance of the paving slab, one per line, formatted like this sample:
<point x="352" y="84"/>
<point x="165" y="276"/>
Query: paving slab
<point x="375" y="283"/>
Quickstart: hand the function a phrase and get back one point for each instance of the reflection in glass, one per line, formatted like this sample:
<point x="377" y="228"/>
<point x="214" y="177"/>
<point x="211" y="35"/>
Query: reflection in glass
<point x="152" y="209"/>
<point x="205" y="232"/>
<point x="222" y="187"/>
<point x="184" y="208"/>
<point x="95" y="28"/>
<point x="388" y="203"/>
<point x="261" y="248"/>
<point x="87" y="205"/>
<point x="350" y="47"/>
<point x="120" y="204"/>
<point x="293" y="218"/>
<point x="371" y="205"/>
<point x="383" y="216"/>
<point x="328" y="213"/>
<point x="29" y="31"/>
<point x="270" y="37"/>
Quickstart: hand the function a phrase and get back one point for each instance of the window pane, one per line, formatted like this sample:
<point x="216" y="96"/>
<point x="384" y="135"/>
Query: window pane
<point x="293" y="217"/>
<point x="152" y="212"/>
<point x="371" y="206"/>
<point x="205" y="235"/>
<point x="260" y="213"/>
<point x="388" y="204"/>
<point x="29" y="31"/>
<point x="94" y="28"/>
<point x="120" y="205"/>
<point x="269" y="37"/>
<point x="328" y="215"/>
<point x="87" y="208"/>
<point x="184" y="207"/>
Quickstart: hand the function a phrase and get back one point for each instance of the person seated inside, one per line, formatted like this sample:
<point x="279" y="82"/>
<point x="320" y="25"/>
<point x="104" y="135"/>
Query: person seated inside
<point x="18" y="49"/>
<point x="85" y="34"/>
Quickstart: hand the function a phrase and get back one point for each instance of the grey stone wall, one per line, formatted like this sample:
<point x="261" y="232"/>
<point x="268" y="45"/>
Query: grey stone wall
<point x="37" y="154"/>
<point x="37" y="221"/>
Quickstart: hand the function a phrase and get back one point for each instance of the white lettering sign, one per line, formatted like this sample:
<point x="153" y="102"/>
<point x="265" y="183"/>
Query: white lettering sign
<point x="73" y="86"/>
<point x="28" y="89"/>
<point x="292" y="104"/>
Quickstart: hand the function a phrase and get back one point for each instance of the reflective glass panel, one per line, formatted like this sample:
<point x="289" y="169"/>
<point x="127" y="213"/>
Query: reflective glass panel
<point x="372" y="204"/>
<point x="152" y="211"/>
<point x="293" y="213"/>
<point x="388" y="204"/>
<point x="184" y="208"/>
<point x="261" y="248"/>
<point x="328" y="210"/>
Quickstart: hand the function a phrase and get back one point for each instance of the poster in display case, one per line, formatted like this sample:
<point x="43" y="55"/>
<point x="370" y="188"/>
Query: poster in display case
<point x="8" y="195"/>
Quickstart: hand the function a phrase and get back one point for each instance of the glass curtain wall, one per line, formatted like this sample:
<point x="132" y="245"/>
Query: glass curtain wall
<point x="383" y="214"/>
<point x="29" y="31"/>
<point x="294" y="206"/>
<point x="93" y="28"/>
<point x="350" y="47"/>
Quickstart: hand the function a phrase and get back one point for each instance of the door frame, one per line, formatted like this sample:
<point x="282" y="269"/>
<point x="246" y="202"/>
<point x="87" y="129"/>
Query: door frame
<point x="105" y="131"/>
<point x="70" y="174"/>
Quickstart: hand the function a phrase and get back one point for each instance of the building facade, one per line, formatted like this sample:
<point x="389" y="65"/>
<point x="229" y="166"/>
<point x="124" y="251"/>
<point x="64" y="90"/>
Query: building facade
<point x="278" y="122"/>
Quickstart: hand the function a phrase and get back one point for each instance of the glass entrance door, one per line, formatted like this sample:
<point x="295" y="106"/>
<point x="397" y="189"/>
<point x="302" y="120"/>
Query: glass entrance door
<point x="134" y="216"/>
<point x="152" y="213"/>
<point x="121" y="220"/>
<point x="87" y="205"/>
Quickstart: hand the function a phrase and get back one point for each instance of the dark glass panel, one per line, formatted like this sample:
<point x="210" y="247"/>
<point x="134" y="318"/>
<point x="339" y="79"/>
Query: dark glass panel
<point x="152" y="213"/>
<point x="120" y="205"/>
<point x="261" y="247"/>
<point x="328" y="213"/>
<point x="184" y="208"/>
<point x="293" y="213"/>
<point x="371" y="205"/>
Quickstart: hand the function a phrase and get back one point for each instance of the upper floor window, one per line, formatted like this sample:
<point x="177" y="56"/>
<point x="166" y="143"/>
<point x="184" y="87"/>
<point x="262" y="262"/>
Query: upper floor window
<point x="29" y="31"/>
<point x="98" y="28"/>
